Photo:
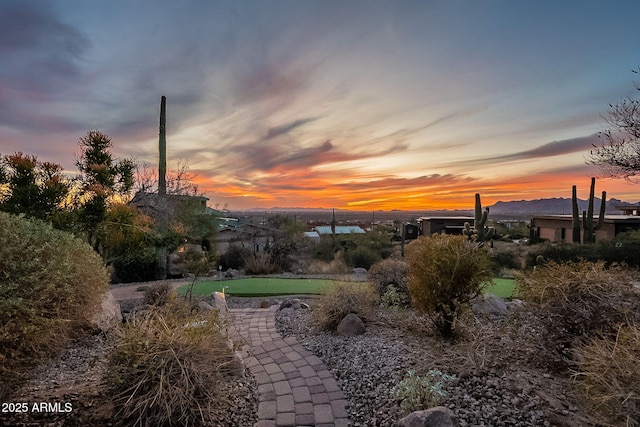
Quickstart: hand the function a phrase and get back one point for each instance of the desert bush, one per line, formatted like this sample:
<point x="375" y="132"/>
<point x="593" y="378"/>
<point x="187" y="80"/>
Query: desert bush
<point x="50" y="286"/>
<point x="158" y="294"/>
<point x="503" y="261"/>
<point x="577" y="300"/>
<point x="335" y="266"/>
<point x="167" y="365"/>
<point x="358" y="250"/>
<point x="341" y="299"/>
<point x="608" y="376"/>
<point x="260" y="263"/>
<point x="445" y="273"/>
<point x="625" y="249"/>
<point x="392" y="298"/>
<point x="137" y="266"/>
<point x="232" y="258"/>
<point x="389" y="272"/>
<point x="362" y="256"/>
<point x="416" y="392"/>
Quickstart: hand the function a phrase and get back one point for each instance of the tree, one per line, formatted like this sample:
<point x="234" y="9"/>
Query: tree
<point x="618" y="151"/>
<point x="34" y="188"/>
<point x="101" y="178"/>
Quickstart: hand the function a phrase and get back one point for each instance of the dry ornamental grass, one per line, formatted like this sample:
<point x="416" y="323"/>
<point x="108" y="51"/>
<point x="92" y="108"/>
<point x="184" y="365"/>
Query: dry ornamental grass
<point x="165" y="367"/>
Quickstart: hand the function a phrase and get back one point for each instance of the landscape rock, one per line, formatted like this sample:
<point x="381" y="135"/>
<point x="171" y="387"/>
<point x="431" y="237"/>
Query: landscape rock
<point x="109" y="315"/>
<point x="231" y="273"/>
<point x="219" y="302"/>
<point x="514" y="304"/>
<point x="293" y="303"/>
<point x="288" y="312"/>
<point x="490" y="304"/>
<point x="359" y="271"/>
<point x="350" y="326"/>
<point x="205" y="306"/>
<point x="438" y="416"/>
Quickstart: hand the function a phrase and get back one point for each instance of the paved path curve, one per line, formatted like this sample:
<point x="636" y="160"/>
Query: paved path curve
<point x="295" y="388"/>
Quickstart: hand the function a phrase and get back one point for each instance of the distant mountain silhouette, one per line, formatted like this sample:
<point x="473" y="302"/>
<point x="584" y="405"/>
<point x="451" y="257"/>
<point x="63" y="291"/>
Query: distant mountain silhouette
<point x="552" y="206"/>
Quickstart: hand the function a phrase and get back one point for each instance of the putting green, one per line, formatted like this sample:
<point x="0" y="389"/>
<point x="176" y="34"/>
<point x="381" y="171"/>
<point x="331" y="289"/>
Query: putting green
<point x="503" y="287"/>
<point x="267" y="286"/>
<point x="260" y="286"/>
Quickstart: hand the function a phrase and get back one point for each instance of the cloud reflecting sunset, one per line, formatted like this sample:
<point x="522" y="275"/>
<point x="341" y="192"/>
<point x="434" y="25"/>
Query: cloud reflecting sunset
<point x="360" y="105"/>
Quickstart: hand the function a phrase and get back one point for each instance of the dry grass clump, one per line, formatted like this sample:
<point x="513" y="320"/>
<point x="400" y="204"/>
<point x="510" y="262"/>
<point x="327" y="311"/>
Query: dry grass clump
<point x="608" y="376"/>
<point x="335" y="266"/>
<point x="51" y="283"/>
<point x="344" y="298"/>
<point x="577" y="300"/>
<point x="158" y="294"/>
<point x="168" y="365"/>
<point x="259" y="263"/>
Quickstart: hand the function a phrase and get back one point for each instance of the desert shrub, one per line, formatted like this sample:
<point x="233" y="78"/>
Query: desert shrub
<point x="158" y="294"/>
<point x="335" y="266"/>
<point x="558" y="253"/>
<point x="392" y="298"/>
<point x="232" y="258"/>
<point x="260" y="263"/>
<point x="51" y="284"/>
<point x="625" y="249"/>
<point x="416" y="392"/>
<point x="342" y="299"/>
<point x="137" y="266"/>
<point x="608" y="376"/>
<point x="389" y="272"/>
<point x="445" y="273"/>
<point x="359" y="250"/>
<point x="575" y="301"/>
<point x="362" y="256"/>
<point x="167" y="365"/>
<point x="503" y="260"/>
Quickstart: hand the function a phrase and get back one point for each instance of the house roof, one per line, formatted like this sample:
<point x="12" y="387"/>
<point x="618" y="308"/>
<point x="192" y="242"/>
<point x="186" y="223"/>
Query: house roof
<point x="607" y="218"/>
<point x="445" y="218"/>
<point x="340" y="229"/>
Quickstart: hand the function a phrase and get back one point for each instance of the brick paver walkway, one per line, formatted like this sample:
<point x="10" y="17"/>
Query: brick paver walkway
<point x="295" y="388"/>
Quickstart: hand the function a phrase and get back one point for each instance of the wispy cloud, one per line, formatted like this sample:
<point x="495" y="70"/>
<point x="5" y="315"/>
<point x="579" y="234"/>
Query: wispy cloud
<point x="551" y="149"/>
<point x="40" y="65"/>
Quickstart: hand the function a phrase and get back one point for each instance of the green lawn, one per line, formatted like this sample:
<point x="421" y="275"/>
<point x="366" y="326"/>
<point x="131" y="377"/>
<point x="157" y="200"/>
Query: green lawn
<point x="264" y="286"/>
<point x="259" y="286"/>
<point x="503" y="287"/>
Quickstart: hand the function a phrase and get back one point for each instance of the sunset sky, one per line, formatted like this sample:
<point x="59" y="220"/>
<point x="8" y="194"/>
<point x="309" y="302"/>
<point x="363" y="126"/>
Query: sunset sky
<point x="360" y="105"/>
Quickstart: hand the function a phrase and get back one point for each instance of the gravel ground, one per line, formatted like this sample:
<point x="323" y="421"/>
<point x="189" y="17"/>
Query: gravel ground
<point x="495" y="384"/>
<point x="493" y="389"/>
<point x="75" y="378"/>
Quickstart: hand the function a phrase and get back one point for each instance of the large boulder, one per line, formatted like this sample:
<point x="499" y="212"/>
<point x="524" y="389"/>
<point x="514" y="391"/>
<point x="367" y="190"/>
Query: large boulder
<point x="438" y="416"/>
<point x="490" y="304"/>
<point x="108" y="315"/>
<point x="351" y="325"/>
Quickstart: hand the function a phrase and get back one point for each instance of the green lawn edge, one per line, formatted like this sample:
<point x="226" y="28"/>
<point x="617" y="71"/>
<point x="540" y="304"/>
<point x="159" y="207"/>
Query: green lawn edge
<point x="259" y="286"/>
<point x="264" y="286"/>
<point x="504" y="288"/>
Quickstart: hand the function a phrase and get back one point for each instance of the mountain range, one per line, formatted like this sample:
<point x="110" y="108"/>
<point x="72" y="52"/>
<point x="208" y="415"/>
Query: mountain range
<point x="552" y="206"/>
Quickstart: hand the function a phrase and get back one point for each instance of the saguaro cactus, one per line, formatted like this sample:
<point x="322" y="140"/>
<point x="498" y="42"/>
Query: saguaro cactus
<point x="575" y="223"/>
<point x="162" y="148"/>
<point x="588" y="226"/>
<point x="480" y="232"/>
